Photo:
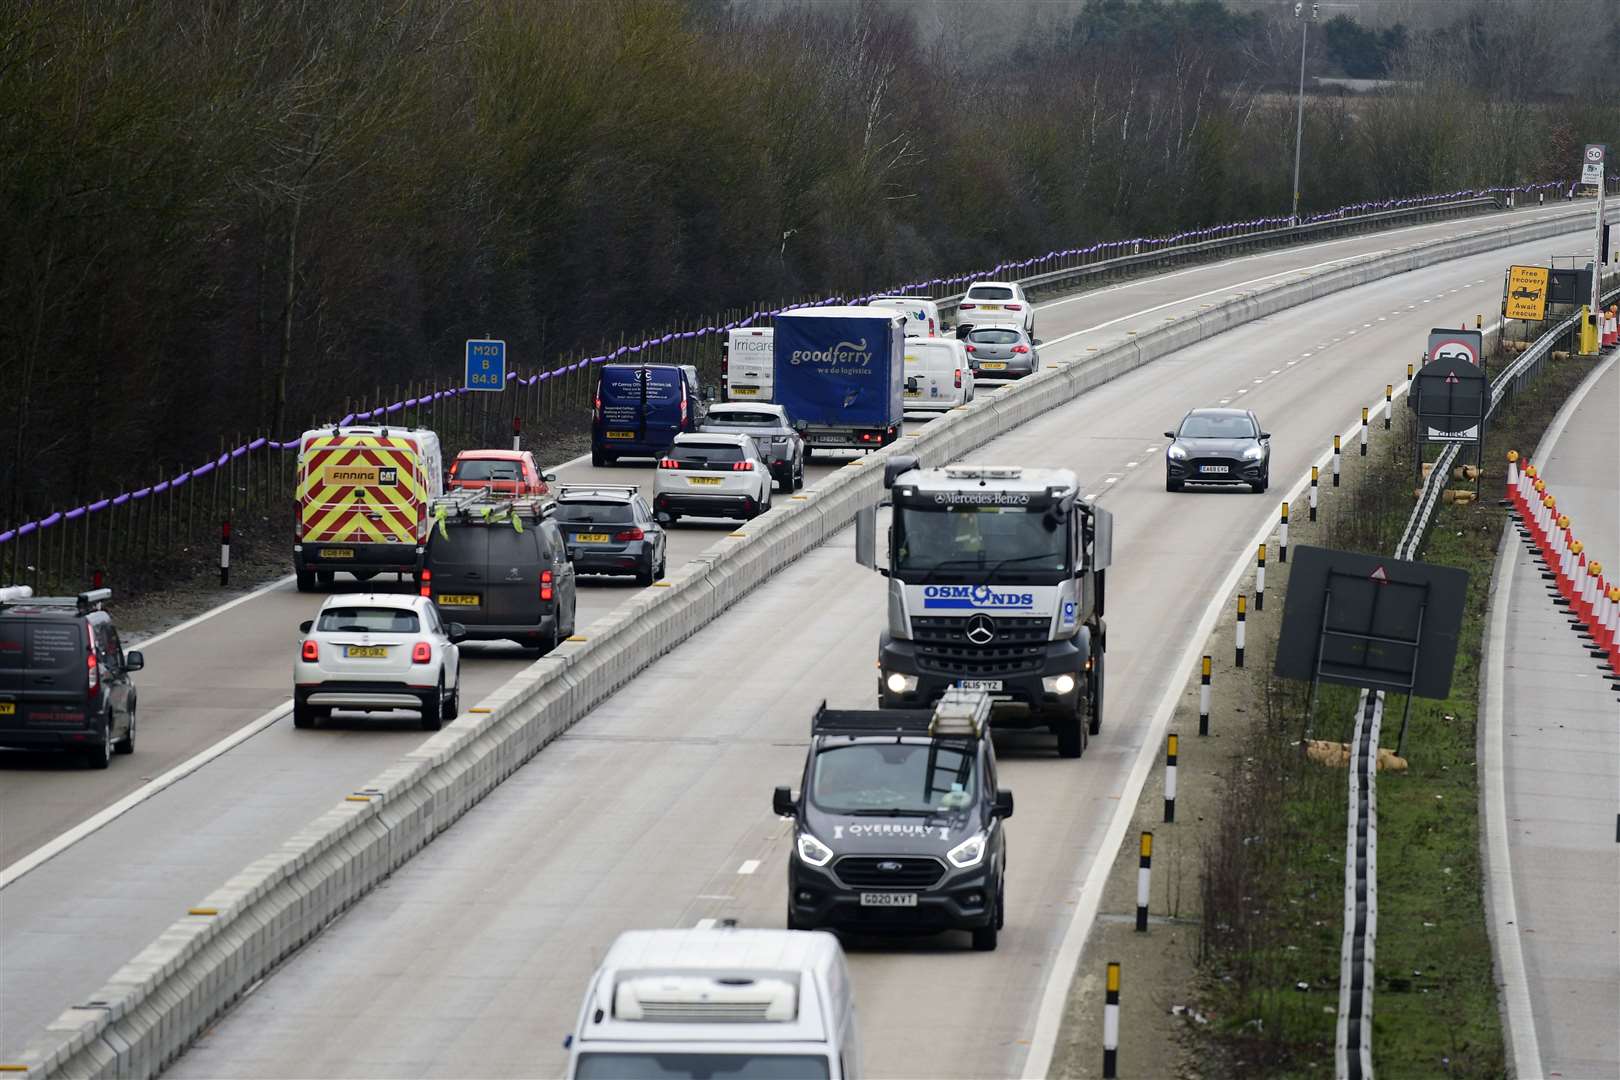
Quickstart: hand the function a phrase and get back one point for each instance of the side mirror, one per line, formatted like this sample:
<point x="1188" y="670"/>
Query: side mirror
<point x="866" y="537"/>
<point x="456" y="633"/>
<point x="305" y="626"/>
<point x="896" y="466"/>
<point x="782" y="803"/>
<point x="134" y="661"/>
<point x="708" y="393"/>
<point x="1265" y="436"/>
<point x="1169" y="434"/>
<point x="1004" y="803"/>
<point x="549" y="477"/>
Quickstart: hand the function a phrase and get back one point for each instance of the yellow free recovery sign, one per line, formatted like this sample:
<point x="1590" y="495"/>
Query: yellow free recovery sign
<point x="1527" y="293"/>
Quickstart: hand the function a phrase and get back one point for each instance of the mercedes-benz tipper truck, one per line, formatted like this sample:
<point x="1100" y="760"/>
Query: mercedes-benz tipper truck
<point x="840" y="371"/>
<point x="996" y="584"/>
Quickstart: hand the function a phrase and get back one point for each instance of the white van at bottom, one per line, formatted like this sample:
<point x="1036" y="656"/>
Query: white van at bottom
<point x="938" y="374"/>
<point x="724" y="1002"/>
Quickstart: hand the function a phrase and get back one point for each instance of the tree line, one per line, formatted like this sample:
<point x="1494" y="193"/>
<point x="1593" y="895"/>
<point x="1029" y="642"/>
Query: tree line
<point x="222" y="218"/>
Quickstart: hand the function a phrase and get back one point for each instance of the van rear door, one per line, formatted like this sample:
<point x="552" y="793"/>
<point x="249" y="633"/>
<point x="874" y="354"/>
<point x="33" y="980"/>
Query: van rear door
<point x="459" y="560"/>
<point x="43" y="680"/>
<point x="512" y="597"/>
<point x="749" y="367"/>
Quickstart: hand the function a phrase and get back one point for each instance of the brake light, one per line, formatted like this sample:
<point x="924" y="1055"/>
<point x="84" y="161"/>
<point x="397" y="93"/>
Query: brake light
<point x="1020" y="348"/>
<point x="964" y="307"/>
<point x="545" y="584"/>
<point x="92" y="666"/>
<point x="1014" y="307"/>
<point x="596" y="402"/>
<point x="312" y="651"/>
<point x="742" y="466"/>
<point x="867" y="436"/>
<point x="427" y="583"/>
<point x="970" y="348"/>
<point x="454" y="466"/>
<point x="668" y="463"/>
<point x="421" y="653"/>
<point x="959" y="378"/>
<point x="683" y="403"/>
<point x="629" y="534"/>
<point x="930" y="326"/>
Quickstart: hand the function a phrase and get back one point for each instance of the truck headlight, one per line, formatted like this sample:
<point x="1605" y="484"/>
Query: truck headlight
<point x="813" y="851"/>
<point x="1176" y="453"/>
<point x="1058" y="684"/>
<point x="969" y="852"/>
<point x="899" y="682"/>
<point x="1253" y="453"/>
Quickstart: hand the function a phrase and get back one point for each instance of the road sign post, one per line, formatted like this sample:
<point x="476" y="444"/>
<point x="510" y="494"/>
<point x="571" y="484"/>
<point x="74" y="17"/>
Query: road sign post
<point x="486" y="364"/>
<point x="1594" y="171"/>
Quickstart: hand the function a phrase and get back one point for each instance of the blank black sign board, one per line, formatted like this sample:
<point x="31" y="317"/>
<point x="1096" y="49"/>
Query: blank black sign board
<point x="1451" y="398"/>
<point x="1388" y="623"/>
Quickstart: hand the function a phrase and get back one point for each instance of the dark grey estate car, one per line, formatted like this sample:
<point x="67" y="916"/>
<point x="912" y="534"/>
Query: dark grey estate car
<point x="1218" y="446"/>
<point x="610" y="529"/>
<point x="64" y="675"/>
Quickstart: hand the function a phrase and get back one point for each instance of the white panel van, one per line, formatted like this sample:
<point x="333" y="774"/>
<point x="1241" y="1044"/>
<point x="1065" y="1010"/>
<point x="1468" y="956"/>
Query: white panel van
<point x="746" y="368"/>
<point x="922" y="314"/>
<point x="938" y="374"/>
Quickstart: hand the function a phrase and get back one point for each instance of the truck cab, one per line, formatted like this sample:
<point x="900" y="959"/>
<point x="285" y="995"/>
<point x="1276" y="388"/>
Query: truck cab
<point x="897" y="826"/>
<point x="996" y="583"/>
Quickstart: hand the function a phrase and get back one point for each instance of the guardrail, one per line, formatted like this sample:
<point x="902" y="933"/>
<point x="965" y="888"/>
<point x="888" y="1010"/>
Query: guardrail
<point x="1353" y="1044"/>
<point x="251" y="477"/>
<point x="153" y="1007"/>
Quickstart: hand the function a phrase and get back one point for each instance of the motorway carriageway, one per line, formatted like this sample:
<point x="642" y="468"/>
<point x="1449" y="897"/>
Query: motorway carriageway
<point x="624" y="822"/>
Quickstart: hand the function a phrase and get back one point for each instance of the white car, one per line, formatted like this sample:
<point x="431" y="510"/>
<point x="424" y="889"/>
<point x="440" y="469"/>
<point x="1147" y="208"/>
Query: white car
<point x="939" y="374"/>
<point x="996" y="303"/>
<point x="712" y="475"/>
<point x="376" y="652"/>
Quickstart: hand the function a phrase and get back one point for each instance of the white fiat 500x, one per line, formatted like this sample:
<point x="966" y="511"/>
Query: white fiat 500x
<point x="376" y="652"/>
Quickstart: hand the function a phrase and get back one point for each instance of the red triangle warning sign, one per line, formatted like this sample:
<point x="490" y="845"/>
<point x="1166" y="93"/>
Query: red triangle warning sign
<point x="1451" y="377"/>
<point x="1379" y="576"/>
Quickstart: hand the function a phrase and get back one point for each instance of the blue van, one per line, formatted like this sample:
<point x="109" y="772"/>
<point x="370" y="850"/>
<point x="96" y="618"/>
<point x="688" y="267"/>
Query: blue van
<point x="640" y="408"/>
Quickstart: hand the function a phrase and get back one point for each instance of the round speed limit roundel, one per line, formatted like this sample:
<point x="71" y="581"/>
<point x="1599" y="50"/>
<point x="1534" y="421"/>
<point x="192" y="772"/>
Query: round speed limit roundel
<point x="1454" y="352"/>
<point x="1594" y="153"/>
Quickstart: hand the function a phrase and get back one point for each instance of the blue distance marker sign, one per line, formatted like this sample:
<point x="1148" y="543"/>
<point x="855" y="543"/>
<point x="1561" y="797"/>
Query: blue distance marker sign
<point x="486" y="364"/>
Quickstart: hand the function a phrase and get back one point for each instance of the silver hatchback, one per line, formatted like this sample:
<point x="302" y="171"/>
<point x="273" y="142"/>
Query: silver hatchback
<point x="1001" y="352"/>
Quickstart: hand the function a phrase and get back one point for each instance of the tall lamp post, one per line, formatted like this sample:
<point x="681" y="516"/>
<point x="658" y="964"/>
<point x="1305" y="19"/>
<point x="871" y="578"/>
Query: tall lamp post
<point x="1299" y="116"/>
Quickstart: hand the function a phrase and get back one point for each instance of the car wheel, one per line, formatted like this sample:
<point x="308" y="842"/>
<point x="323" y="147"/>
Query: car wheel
<point x="1260" y="488"/>
<point x="1071" y="733"/>
<point x="663" y="566"/>
<point x="101" y="755"/>
<point x="452" y="707"/>
<point x="326" y="577"/>
<point x="798" y="475"/>
<point x="1097" y="685"/>
<point x="303" y="715"/>
<point x="597" y="460"/>
<point x="1172" y="485"/>
<point x="1001" y="900"/>
<point x="645" y="578"/>
<point x="433" y="707"/>
<point x="984" y="937"/>
<point x="792" y="920"/>
<point x="126" y="745"/>
<point x="306" y="580"/>
<point x="550" y="644"/>
<point x="808" y="453"/>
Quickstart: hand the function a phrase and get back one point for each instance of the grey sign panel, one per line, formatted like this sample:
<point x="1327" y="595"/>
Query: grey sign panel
<point x="1371" y="620"/>
<point x="1455" y="346"/>
<point x="1569" y="286"/>
<point x="1451" y="399"/>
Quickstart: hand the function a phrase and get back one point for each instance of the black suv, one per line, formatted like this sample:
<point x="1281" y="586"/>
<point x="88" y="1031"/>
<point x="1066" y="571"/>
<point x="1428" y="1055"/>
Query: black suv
<point x="64" y="675"/>
<point x="898" y="824"/>
<point x="610" y="529"/>
<point x="498" y="566"/>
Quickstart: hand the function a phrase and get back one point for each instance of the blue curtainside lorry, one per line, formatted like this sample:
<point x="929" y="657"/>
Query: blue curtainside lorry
<point x="840" y="372"/>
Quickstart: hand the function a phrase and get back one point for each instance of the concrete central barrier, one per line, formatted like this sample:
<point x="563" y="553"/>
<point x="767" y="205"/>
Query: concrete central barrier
<point x="153" y="1007"/>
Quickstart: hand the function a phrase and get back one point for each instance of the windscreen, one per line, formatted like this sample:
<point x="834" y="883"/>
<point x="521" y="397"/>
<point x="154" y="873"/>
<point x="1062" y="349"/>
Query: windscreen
<point x="1217" y="427"/>
<point x="963" y="544"/>
<point x="736" y="1065"/>
<point x="372" y="620"/>
<point x="893" y="776"/>
<point x="697" y="454"/>
<point x="990" y="292"/>
<point x="486" y="469"/>
<point x="744" y="419"/>
<point x="595" y="513"/>
<point x="995" y="336"/>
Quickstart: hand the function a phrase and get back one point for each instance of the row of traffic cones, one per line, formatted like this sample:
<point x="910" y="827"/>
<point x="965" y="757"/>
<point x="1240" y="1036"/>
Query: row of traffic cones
<point x="1593" y="601"/>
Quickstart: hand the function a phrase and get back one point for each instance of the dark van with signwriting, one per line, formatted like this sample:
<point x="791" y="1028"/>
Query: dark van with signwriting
<point x="64" y="676"/>
<point x="640" y="408"/>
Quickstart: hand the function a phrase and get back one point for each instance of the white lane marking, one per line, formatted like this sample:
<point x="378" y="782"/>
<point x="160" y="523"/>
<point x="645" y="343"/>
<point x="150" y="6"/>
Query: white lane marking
<point x="748" y="866"/>
<point x="1291" y="363"/>
<point x="1110" y="479"/>
<point x="714" y="896"/>
<point x="1225" y="400"/>
<point x="46" y="852"/>
<point x="1261" y="380"/>
<point x="144" y="643"/>
<point x="1050" y="1013"/>
<point x="1276" y="371"/>
<point x="705" y="924"/>
<point x="1245" y="390"/>
<point x="1503" y="906"/>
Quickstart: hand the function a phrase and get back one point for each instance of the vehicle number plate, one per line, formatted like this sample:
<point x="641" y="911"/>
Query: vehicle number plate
<point x="827" y="438"/>
<point x="458" y="600"/>
<point x="913" y="393"/>
<point x="980" y="684"/>
<point x="8" y="708"/>
<point x="989" y="307"/>
<point x="745" y="391"/>
<point x="337" y="553"/>
<point x="592" y="538"/>
<point x="888" y="899"/>
<point x="993" y="365"/>
<point x="366" y="652"/>
<point x="621" y="434"/>
<point x="1213" y="468"/>
<point x="702" y="480"/>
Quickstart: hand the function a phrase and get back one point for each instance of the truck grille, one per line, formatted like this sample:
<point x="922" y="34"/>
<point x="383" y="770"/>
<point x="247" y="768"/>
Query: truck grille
<point x="943" y="648"/>
<point x="916" y="872"/>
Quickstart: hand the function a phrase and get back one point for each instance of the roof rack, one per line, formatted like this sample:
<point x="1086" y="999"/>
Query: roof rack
<point x="960" y="714"/>
<point x="598" y="489"/>
<point x="83" y="603"/>
<point x="487" y="507"/>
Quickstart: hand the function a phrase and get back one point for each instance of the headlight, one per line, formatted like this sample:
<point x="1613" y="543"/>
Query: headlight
<point x="813" y="851"/>
<point x="1057" y="684"/>
<point x="1253" y="453"/>
<point x="899" y="682"/>
<point x="1177" y="453"/>
<point x="969" y="852"/>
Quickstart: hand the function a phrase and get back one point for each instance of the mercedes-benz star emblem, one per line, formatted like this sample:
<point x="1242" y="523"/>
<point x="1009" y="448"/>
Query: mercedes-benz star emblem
<point x="980" y="629"/>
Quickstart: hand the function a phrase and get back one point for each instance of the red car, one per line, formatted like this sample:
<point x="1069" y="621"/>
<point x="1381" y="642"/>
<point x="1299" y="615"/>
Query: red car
<point x="507" y="472"/>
